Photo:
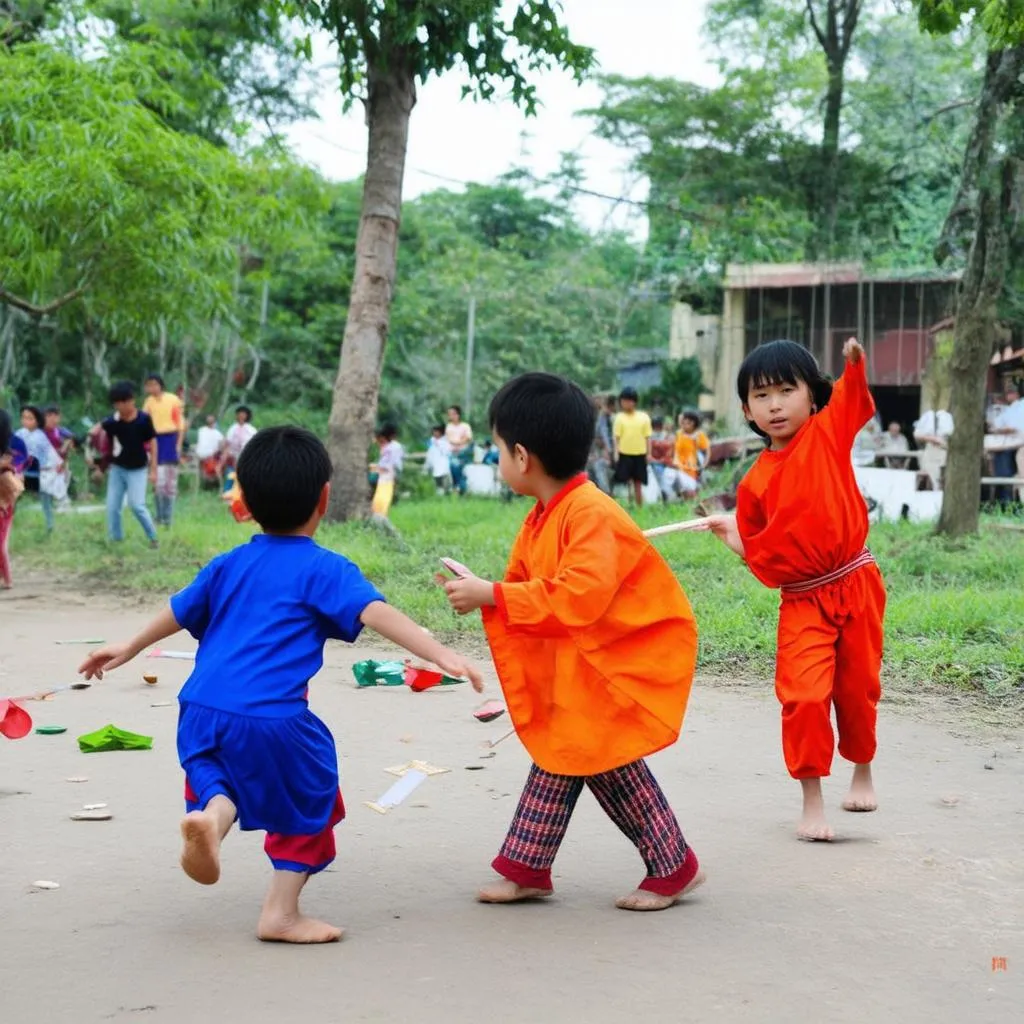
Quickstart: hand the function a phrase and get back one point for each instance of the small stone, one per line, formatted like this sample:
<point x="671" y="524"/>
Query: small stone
<point x="990" y="767"/>
<point x="474" y="767"/>
<point x="950" y="801"/>
<point x="150" y="679"/>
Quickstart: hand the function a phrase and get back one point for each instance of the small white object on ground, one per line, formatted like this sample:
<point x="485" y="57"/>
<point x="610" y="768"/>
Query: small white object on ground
<point x="93" y="807"/>
<point x="46" y="885"/>
<point x="403" y="788"/>
<point x="92" y="816"/>
<point x="77" y="778"/>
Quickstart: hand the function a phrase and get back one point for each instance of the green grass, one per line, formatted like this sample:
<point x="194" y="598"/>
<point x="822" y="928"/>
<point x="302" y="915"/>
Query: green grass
<point x="955" y="618"/>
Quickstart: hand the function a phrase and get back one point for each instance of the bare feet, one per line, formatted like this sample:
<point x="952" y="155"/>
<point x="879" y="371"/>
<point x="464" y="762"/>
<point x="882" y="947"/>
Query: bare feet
<point x="862" y="790"/>
<point x="642" y="899"/>
<point x="505" y="891"/>
<point x="299" y="929"/>
<point x="813" y="827"/>
<point x="200" y="856"/>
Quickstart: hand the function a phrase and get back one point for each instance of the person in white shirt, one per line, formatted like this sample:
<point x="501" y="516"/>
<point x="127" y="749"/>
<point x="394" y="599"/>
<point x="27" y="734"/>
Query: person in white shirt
<point x="894" y="443"/>
<point x="933" y="431"/>
<point x="1008" y="421"/>
<point x="240" y="434"/>
<point x="210" y="439"/>
<point x="438" y="461"/>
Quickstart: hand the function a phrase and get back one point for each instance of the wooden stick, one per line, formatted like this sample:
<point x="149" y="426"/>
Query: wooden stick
<point x="493" y="743"/>
<point x="686" y="525"/>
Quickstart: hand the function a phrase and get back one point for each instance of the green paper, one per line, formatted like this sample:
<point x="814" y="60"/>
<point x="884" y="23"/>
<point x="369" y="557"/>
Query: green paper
<point x="112" y="738"/>
<point x="379" y="673"/>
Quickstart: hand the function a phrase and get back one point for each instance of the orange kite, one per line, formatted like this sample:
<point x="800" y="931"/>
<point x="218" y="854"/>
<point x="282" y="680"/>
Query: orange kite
<point x="593" y="638"/>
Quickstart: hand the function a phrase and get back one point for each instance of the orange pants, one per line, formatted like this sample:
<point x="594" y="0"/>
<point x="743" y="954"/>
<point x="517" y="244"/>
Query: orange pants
<point x="830" y="652"/>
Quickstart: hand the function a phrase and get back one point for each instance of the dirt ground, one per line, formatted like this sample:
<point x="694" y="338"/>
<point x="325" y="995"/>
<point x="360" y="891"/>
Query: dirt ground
<point x="902" y="919"/>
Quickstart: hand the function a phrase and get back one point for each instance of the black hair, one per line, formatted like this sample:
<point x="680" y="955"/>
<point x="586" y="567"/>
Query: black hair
<point x="782" y="362"/>
<point x="282" y="472"/>
<point x="157" y="378"/>
<point x="457" y="408"/>
<point x="549" y="416"/>
<point x="248" y="416"/>
<point x="388" y="431"/>
<point x="37" y="413"/>
<point x="629" y="394"/>
<point x="122" y="391"/>
<point x="658" y="421"/>
<point x="691" y="414"/>
<point x="438" y="427"/>
<point x="52" y="410"/>
<point x="6" y="433"/>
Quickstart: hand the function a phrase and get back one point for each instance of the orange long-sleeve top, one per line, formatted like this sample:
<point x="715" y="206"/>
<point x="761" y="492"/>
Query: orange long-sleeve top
<point x="799" y="511"/>
<point x="593" y="638"/>
<point x="688" y="451"/>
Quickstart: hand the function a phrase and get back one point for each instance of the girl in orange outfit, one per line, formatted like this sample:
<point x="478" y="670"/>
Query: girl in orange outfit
<point x="595" y="646"/>
<point x="801" y="524"/>
<point x="692" y="445"/>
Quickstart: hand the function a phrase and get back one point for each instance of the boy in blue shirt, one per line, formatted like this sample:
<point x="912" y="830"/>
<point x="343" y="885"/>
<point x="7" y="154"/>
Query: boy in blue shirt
<point x="250" y="747"/>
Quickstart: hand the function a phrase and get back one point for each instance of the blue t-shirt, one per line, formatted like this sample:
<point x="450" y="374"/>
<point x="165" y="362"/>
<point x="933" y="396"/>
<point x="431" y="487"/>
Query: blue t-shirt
<point x="261" y="614"/>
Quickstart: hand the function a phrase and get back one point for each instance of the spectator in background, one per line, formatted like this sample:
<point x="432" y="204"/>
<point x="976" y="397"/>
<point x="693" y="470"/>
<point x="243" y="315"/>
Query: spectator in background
<point x="692" y="450"/>
<point x="602" y="452"/>
<point x="1007" y="420"/>
<point x="662" y="457"/>
<point x="388" y="468"/>
<point x="438" y="461"/>
<point x="11" y="487"/>
<point x="631" y="432"/>
<point x="168" y="416"/>
<point x="209" y="444"/>
<point x="893" y="444"/>
<point x="240" y="433"/>
<point x="59" y="436"/>
<point x="932" y="432"/>
<point x="460" y="441"/>
<point x="44" y="466"/>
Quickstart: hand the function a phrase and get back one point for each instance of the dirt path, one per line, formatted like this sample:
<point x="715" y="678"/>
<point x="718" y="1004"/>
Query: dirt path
<point x="899" y="921"/>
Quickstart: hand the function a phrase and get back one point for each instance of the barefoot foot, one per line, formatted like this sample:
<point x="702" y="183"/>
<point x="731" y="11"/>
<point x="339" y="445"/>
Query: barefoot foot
<point x="813" y="826"/>
<point x="862" y="791"/>
<point x="643" y="899"/>
<point x="200" y="856"/>
<point x="506" y="891"/>
<point x="298" y="929"/>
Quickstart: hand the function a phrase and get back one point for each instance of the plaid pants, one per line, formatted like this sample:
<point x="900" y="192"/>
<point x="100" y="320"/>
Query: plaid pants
<point x="629" y="795"/>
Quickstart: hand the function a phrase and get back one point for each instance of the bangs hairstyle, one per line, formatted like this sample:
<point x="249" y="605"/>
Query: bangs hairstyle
<point x="37" y="415"/>
<point x="552" y="418"/>
<point x="782" y="362"/>
<point x="282" y="472"/>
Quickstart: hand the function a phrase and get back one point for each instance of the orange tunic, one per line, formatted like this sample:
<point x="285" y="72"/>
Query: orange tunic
<point x="593" y="638"/>
<point x="688" y="449"/>
<point x="799" y="511"/>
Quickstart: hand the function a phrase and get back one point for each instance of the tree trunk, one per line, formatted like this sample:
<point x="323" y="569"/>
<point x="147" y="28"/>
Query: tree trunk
<point x="391" y="97"/>
<point x="829" y="210"/>
<point x="998" y="195"/>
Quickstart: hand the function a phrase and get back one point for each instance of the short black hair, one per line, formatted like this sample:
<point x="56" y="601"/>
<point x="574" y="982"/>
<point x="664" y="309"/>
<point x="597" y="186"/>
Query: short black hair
<point x="155" y="377"/>
<point x="6" y="433"/>
<point x="122" y="391"/>
<point x="692" y="415"/>
<point x="388" y="431"/>
<point x="248" y="414"/>
<point x="52" y="410"/>
<point x="36" y="412"/>
<point x="282" y="472"/>
<point x="629" y="394"/>
<point x="658" y="421"/>
<point x="552" y="418"/>
<point x="782" y="362"/>
<point x="439" y="427"/>
<point x="457" y="408"/>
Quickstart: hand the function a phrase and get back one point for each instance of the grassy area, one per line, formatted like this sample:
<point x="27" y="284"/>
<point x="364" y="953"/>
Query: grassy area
<point x="955" y="618"/>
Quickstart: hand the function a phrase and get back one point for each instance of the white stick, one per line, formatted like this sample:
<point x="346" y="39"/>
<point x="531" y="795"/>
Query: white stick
<point x="493" y="743"/>
<point x="686" y="525"/>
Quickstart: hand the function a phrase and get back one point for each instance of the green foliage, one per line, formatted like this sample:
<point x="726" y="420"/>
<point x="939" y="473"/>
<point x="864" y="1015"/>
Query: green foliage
<point x="679" y="389"/>
<point x="1001" y="20"/>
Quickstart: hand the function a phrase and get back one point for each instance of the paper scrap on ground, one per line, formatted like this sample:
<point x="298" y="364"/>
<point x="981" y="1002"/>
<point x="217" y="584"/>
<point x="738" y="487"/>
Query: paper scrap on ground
<point x="159" y="652"/>
<point x="489" y="711"/>
<point x="402" y="789"/>
<point x="92" y="816"/>
<point x="110" y="737"/>
<point x="46" y="885"/>
<point x="379" y="673"/>
<point x="419" y="766"/>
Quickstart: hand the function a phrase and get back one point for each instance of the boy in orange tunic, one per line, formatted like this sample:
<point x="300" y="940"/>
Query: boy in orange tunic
<point x="595" y="646"/>
<point x="801" y="524"/>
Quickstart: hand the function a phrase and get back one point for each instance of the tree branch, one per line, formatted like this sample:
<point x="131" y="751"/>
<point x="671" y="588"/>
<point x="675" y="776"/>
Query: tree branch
<point x="947" y="107"/>
<point x="815" y="25"/>
<point x="39" y="312"/>
<point x="853" y="9"/>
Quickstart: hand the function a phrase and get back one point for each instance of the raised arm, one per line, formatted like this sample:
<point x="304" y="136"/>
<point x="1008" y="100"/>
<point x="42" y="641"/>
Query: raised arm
<point x="851" y="404"/>
<point x="112" y="656"/>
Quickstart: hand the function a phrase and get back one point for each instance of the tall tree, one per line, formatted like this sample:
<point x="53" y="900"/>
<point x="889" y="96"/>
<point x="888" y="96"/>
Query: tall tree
<point x="385" y="48"/>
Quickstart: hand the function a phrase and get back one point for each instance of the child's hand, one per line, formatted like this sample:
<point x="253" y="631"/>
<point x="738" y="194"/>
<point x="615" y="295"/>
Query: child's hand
<point x="453" y="664"/>
<point x="469" y="593"/>
<point x="853" y="351"/>
<point x="105" y="659"/>
<point x="725" y="529"/>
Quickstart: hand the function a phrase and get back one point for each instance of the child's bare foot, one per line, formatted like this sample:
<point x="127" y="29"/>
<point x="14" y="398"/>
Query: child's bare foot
<point x="642" y="899"/>
<point x="862" y="790"/>
<point x="813" y="826"/>
<point x="503" y="890"/>
<point x="200" y="856"/>
<point x="296" y="928"/>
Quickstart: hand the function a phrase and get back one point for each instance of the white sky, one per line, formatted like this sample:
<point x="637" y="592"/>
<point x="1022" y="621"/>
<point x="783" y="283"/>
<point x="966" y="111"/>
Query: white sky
<point x="471" y="141"/>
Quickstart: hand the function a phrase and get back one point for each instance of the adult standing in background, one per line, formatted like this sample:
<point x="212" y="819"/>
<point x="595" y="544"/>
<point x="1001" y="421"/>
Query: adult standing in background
<point x="130" y="432"/>
<point x="933" y="431"/>
<point x="167" y="413"/>
<point x="459" y="436"/>
<point x="1008" y="421"/>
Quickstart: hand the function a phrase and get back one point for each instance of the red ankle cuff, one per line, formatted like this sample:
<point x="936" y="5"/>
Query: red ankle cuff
<point x="671" y="885"/>
<point x="523" y="876"/>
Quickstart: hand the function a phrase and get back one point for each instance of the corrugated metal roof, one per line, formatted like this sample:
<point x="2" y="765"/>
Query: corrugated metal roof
<point x="746" y="276"/>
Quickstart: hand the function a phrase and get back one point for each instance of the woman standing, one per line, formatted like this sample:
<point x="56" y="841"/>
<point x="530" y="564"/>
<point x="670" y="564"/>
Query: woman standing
<point x="459" y="436"/>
